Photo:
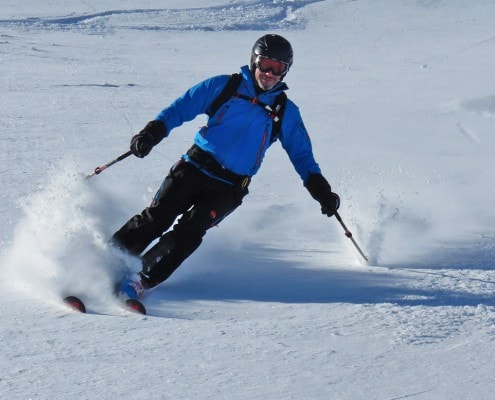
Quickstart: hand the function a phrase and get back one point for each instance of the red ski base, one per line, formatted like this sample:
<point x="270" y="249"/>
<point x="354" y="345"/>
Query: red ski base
<point x="135" y="306"/>
<point x="75" y="303"/>
<point x="130" y="304"/>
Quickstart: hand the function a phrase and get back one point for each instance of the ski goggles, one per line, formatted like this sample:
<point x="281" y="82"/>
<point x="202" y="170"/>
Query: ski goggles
<point x="276" y="67"/>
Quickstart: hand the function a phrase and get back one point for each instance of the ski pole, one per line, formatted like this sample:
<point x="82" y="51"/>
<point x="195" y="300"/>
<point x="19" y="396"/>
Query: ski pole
<point x="104" y="167"/>
<point x="348" y="233"/>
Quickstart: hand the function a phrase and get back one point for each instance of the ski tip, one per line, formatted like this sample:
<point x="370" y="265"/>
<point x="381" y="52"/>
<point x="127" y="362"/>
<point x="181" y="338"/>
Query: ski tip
<point x="75" y="303"/>
<point x="135" y="306"/>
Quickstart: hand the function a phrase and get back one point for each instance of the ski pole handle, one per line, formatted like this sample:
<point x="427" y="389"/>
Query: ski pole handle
<point x="348" y="233"/>
<point x="98" y="170"/>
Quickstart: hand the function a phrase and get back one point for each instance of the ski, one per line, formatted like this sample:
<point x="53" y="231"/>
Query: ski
<point x="135" y="306"/>
<point x="132" y="305"/>
<point x="75" y="303"/>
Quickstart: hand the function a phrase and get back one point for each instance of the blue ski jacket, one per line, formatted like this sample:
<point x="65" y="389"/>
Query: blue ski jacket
<point x="238" y="134"/>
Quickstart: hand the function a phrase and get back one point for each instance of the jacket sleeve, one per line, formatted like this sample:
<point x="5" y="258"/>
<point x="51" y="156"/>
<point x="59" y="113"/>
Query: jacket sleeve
<point x="296" y="142"/>
<point x="192" y="103"/>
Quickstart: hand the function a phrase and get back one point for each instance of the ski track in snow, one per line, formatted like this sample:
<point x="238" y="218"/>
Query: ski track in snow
<point x="256" y="15"/>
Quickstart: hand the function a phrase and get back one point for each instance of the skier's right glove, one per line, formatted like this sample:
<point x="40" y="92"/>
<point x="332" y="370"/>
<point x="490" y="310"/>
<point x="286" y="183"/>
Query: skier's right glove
<point x="320" y="190"/>
<point x="151" y="135"/>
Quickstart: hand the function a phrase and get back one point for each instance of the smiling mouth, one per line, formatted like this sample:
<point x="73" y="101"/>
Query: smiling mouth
<point x="267" y="80"/>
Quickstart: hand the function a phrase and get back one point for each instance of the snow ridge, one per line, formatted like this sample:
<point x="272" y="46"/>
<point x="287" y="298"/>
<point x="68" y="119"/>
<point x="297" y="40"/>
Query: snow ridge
<point x="237" y="16"/>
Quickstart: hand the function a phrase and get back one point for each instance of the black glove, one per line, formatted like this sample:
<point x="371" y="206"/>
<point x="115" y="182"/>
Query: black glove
<point x="320" y="190"/>
<point x="141" y="144"/>
<point x="330" y="204"/>
<point x="151" y="135"/>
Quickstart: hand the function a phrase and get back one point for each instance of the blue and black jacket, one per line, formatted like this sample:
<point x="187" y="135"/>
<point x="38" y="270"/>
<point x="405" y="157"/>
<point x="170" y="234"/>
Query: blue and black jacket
<point x="238" y="134"/>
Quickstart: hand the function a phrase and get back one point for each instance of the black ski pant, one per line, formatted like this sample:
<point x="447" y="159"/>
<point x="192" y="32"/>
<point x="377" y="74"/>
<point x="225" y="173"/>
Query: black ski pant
<point x="201" y="202"/>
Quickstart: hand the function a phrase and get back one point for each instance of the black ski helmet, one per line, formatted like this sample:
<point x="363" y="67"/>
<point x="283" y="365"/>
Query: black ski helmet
<point x="272" y="46"/>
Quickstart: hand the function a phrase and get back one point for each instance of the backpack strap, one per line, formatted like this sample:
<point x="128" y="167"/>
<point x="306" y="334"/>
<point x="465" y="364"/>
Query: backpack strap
<point x="278" y="113"/>
<point x="275" y="112"/>
<point x="226" y="93"/>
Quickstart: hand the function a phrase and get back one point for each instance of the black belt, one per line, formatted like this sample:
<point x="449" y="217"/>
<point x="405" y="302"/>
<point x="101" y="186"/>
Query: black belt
<point x="207" y="162"/>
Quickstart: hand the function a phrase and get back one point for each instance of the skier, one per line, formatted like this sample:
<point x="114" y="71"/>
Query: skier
<point x="211" y="179"/>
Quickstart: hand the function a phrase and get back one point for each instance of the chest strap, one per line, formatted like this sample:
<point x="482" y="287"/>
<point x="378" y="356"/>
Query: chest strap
<point x="272" y="112"/>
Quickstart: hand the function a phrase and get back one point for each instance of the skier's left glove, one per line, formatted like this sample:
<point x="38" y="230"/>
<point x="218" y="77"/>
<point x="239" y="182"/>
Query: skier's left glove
<point x="151" y="135"/>
<point x="320" y="190"/>
<point x="330" y="204"/>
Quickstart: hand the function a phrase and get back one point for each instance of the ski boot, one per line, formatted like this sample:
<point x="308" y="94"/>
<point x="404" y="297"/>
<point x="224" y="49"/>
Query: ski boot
<point x="131" y="288"/>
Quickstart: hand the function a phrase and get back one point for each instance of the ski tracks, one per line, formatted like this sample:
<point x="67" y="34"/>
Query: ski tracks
<point x="234" y="16"/>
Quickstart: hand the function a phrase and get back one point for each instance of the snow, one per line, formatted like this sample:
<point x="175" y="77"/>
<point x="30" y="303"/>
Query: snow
<point x="399" y="100"/>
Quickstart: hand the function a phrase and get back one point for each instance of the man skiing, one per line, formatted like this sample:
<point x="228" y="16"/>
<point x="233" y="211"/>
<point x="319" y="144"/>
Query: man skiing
<point x="211" y="179"/>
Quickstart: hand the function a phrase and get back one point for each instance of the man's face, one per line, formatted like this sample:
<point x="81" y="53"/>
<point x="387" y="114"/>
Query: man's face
<point x="266" y="80"/>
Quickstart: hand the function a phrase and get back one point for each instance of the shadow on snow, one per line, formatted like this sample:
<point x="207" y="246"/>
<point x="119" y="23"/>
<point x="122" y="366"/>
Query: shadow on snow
<point x="260" y="276"/>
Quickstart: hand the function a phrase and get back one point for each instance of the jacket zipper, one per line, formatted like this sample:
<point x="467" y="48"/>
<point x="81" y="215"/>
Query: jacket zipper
<point x="260" y="151"/>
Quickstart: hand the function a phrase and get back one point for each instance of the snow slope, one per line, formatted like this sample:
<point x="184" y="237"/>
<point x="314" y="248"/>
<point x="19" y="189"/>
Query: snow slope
<point x="276" y="304"/>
